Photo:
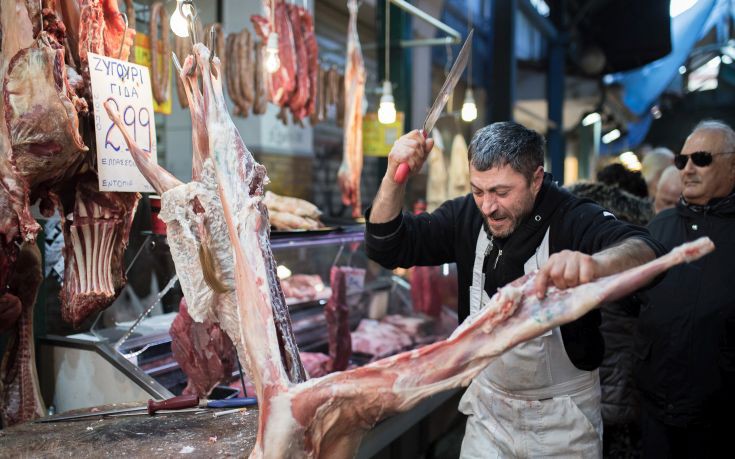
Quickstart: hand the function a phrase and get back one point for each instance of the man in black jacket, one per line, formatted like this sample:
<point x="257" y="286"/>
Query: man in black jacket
<point x="685" y="341"/>
<point x="542" y="398"/>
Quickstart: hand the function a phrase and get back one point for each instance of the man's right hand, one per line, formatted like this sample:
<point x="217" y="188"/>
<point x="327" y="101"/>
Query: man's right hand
<point x="410" y="148"/>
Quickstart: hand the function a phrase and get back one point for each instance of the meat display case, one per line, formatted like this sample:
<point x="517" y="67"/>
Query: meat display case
<point x="125" y="354"/>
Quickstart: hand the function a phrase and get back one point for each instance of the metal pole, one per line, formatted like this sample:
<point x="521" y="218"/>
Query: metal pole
<point x="555" y="95"/>
<point x="501" y="84"/>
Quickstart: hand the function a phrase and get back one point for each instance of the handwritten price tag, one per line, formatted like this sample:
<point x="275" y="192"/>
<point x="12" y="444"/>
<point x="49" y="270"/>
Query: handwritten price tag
<point x="128" y="86"/>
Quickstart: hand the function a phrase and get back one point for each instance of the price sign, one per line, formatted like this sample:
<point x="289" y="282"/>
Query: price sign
<point x="128" y="87"/>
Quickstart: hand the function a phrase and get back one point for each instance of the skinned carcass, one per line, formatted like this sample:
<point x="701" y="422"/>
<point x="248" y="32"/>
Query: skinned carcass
<point x="327" y="417"/>
<point x="350" y="170"/>
<point x="196" y="230"/>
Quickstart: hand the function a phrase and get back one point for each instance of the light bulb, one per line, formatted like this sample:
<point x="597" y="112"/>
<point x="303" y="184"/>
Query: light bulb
<point x="590" y="119"/>
<point x="611" y="136"/>
<point x="272" y="61"/>
<point x="469" y="109"/>
<point x="387" y="109"/>
<point x="178" y="22"/>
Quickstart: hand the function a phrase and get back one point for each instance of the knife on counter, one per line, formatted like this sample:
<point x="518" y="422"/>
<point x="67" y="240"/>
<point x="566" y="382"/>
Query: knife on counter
<point x="181" y="403"/>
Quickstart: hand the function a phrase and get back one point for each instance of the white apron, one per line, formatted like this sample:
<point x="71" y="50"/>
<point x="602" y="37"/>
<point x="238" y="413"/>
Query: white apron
<point x="531" y="401"/>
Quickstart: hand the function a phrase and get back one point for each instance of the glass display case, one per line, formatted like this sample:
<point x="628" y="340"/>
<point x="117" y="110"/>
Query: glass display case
<point x="131" y="337"/>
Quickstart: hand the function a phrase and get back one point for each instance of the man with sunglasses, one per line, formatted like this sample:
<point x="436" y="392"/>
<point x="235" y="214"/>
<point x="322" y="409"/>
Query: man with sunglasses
<point x="685" y="340"/>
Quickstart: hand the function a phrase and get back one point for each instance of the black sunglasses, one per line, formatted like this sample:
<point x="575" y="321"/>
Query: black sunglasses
<point x="699" y="158"/>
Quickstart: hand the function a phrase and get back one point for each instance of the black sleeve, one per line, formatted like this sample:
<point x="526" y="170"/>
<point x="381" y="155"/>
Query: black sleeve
<point x="590" y="229"/>
<point x="413" y="240"/>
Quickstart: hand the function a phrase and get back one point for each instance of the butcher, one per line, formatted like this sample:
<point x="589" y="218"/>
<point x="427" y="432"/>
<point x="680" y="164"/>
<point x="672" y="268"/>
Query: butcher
<point x="542" y="398"/>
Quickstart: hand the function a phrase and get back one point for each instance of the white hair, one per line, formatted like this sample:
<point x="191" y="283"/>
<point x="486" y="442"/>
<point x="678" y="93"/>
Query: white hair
<point x="717" y="125"/>
<point x="655" y="162"/>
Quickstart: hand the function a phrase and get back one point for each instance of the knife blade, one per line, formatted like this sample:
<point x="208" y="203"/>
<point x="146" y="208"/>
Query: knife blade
<point x="441" y="99"/>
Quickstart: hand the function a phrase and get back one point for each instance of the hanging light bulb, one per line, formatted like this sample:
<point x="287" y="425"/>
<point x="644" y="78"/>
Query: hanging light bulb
<point x="469" y="109"/>
<point x="387" y="109"/>
<point x="178" y="22"/>
<point x="272" y="61"/>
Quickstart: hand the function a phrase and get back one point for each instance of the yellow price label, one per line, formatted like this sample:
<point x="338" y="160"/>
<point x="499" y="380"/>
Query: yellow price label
<point x="377" y="138"/>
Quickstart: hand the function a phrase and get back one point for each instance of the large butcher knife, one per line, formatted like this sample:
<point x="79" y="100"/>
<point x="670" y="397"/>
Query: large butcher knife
<point x="441" y="100"/>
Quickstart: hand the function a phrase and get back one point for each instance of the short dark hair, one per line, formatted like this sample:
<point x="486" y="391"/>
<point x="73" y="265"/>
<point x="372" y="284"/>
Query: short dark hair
<point x="616" y="174"/>
<point x="510" y="143"/>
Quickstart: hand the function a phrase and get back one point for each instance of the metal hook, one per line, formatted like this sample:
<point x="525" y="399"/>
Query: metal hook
<point x="122" y="43"/>
<point x="177" y="64"/>
<point x="212" y="43"/>
<point x="192" y="29"/>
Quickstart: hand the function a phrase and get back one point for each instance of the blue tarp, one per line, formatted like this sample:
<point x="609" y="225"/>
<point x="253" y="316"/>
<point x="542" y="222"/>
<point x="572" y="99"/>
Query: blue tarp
<point x="644" y="86"/>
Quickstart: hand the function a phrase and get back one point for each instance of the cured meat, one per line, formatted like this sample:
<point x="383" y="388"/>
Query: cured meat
<point x="350" y="170"/>
<point x="282" y="82"/>
<point x="95" y="239"/>
<point x="459" y="168"/>
<point x="41" y="112"/>
<point x="317" y="114"/>
<point x="160" y="68"/>
<point x="312" y="53"/>
<point x="203" y="351"/>
<point x="20" y="396"/>
<point x="260" y="104"/>
<point x="300" y="97"/>
<point x="437" y="178"/>
<point x="245" y="70"/>
<point x="337" y="313"/>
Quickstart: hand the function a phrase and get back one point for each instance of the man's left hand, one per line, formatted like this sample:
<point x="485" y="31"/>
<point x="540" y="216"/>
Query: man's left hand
<point x="566" y="269"/>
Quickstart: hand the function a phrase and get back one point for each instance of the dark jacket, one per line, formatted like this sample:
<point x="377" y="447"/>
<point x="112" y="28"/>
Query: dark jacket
<point x="449" y="234"/>
<point x="685" y="341"/>
<point x="619" y="400"/>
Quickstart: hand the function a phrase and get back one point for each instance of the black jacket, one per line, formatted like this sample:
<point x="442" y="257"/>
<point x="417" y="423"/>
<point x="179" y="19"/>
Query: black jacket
<point x="685" y="341"/>
<point x="449" y="234"/>
<point x="619" y="401"/>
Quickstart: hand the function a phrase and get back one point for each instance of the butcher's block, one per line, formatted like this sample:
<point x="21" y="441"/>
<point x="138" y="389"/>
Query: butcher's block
<point x="161" y="436"/>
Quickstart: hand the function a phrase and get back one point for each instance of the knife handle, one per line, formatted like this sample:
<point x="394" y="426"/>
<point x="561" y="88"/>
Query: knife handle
<point x="402" y="172"/>
<point x="232" y="403"/>
<point x="174" y="403"/>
